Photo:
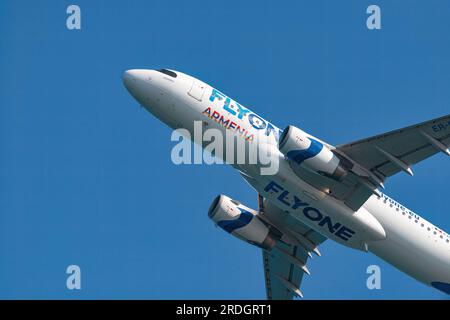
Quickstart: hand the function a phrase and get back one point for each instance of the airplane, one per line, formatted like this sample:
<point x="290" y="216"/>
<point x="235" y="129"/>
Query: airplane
<point x="318" y="192"/>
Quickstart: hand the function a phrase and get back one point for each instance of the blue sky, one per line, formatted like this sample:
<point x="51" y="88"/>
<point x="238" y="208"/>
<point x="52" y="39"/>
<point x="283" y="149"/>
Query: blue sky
<point x="85" y="173"/>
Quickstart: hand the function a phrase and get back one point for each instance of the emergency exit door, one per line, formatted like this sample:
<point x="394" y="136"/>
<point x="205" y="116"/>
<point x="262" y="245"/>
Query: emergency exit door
<point x="197" y="90"/>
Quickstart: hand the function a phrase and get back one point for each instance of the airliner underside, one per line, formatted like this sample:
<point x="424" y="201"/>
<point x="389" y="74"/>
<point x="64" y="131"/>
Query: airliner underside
<point x="318" y="191"/>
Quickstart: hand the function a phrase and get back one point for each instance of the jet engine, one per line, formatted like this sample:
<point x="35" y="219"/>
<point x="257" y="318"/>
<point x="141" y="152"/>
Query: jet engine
<point x="303" y="150"/>
<point x="242" y="222"/>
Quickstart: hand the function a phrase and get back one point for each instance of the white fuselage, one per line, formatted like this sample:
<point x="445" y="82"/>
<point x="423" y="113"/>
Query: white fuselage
<point x="381" y="226"/>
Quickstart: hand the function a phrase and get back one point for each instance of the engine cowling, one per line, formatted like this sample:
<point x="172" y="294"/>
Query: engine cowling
<point x="242" y="222"/>
<point x="303" y="150"/>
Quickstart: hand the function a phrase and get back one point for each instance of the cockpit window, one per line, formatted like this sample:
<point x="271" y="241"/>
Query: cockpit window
<point x="168" y="72"/>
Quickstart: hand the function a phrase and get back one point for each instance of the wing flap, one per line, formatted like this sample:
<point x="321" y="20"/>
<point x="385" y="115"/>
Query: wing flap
<point x="282" y="278"/>
<point x="409" y="145"/>
<point x="285" y="264"/>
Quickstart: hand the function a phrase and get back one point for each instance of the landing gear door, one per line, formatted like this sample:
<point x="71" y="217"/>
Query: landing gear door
<point x="197" y="90"/>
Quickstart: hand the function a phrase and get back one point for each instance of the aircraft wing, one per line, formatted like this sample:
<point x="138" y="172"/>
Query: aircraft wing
<point x="285" y="265"/>
<point x="388" y="153"/>
<point x="282" y="278"/>
<point x="372" y="160"/>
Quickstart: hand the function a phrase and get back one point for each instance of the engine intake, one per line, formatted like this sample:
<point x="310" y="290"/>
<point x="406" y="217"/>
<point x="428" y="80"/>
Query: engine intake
<point x="242" y="222"/>
<point x="303" y="150"/>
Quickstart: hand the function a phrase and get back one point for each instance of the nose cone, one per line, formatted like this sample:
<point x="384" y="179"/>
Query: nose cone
<point x="130" y="78"/>
<point x="138" y="82"/>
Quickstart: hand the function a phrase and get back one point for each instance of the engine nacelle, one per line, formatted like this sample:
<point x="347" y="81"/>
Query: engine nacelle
<point x="242" y="222"/>
<point x="303" y="150"/>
